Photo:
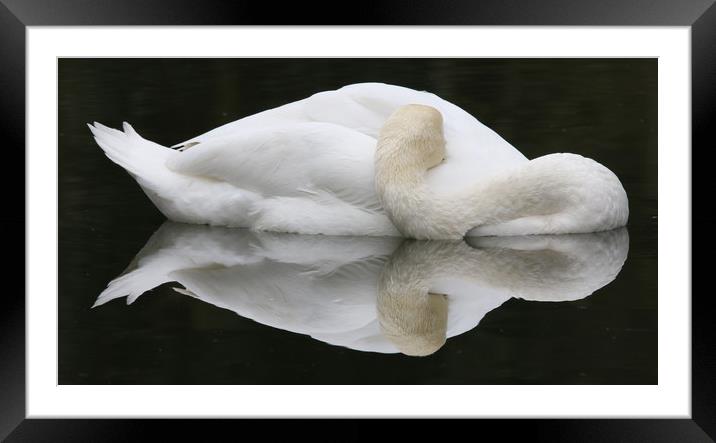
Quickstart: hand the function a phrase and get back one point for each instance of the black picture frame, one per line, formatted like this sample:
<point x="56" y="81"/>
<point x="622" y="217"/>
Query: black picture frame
<point x="16" y="15"/>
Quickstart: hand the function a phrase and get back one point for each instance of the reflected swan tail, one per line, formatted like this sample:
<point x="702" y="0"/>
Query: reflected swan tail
<point x="132" y="285"/>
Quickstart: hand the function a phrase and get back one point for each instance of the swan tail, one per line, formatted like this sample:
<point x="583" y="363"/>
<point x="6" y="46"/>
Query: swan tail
<point x="143" y="159"/>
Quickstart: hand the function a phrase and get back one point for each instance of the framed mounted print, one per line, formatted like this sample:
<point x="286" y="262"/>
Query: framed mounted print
<point x="389" y="217"/>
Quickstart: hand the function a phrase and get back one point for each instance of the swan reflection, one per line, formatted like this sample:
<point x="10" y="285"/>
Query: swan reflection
<point x="379" y="294"/>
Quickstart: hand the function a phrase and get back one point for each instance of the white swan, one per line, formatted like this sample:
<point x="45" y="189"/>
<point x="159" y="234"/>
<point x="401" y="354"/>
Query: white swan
<point x="304" y="167"/>
<point x="553" y="194"/>
<point x="377" y="294"/>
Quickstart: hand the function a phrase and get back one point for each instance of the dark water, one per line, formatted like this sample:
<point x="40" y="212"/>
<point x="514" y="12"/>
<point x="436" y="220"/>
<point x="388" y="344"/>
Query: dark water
<point x="600" y="108"/>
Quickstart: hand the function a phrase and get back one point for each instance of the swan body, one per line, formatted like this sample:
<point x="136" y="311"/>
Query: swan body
<point x="553" y="194"/>
<point x="312" y="167"/>
<point x="375" y="294"/>
<point x="305" y="167"/>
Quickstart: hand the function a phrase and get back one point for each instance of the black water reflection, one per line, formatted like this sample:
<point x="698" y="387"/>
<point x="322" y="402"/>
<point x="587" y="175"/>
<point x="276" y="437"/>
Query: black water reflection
<point x="370" y="294"/>
<point x="605" y="109"/>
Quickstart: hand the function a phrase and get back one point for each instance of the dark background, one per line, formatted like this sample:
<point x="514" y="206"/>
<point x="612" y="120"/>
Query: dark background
<point x="604" y="109"/>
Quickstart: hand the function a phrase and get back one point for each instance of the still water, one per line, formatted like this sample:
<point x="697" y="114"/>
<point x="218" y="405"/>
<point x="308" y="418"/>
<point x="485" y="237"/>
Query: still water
<point x="227" y="306"/>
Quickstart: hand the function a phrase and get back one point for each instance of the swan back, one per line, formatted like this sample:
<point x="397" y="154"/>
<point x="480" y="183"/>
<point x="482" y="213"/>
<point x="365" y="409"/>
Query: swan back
<point x="474" y="151"/>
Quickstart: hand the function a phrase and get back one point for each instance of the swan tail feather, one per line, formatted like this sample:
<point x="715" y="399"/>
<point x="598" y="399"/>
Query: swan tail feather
<point x="142" y="158"/>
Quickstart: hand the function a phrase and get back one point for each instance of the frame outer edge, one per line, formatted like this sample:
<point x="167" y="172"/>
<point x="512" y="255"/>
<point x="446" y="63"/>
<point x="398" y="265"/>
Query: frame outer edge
<point x="12" y="81"/>
<point x="386" y="12"/>
<point x="12" y="222"/>
<point x="703" y="109"/>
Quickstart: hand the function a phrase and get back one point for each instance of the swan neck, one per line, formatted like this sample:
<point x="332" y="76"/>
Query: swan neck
<point x="402" y="192"/>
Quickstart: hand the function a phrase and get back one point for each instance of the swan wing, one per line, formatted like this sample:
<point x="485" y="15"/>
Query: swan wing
<point x="361" y="107"/>
<point x="309" y="159"/>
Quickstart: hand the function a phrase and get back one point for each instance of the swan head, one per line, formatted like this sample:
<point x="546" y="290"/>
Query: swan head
<point x="415" y="323"/>
<point x="412" y="137"/>
<point x="410" y="142"/>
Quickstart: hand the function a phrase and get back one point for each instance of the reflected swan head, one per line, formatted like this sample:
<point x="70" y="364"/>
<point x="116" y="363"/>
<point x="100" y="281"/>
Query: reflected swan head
<point x="413" y="134"/>
<point x="411" y="316"/>
<point x="415" y="323"/>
